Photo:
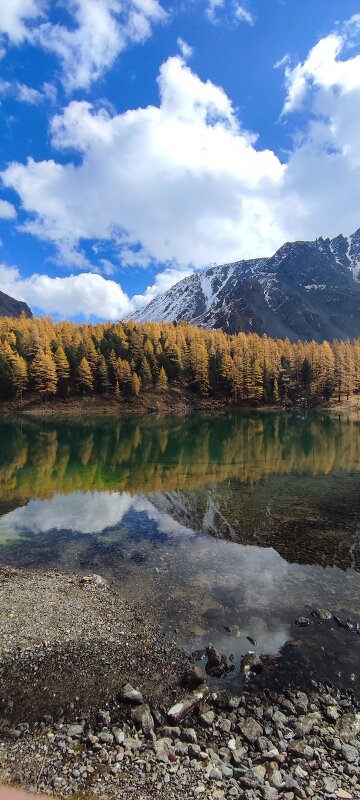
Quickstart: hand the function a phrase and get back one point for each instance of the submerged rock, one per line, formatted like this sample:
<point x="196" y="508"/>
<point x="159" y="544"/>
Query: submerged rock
<point x="321" y="613"/>
<point x="216" y="663"/>
<point x="302" y="622"/>
<point x="251" y="662"/>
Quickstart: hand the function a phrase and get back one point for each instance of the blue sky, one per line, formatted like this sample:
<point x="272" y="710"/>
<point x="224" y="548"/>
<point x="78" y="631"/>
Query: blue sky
<point x="141" y="140"/>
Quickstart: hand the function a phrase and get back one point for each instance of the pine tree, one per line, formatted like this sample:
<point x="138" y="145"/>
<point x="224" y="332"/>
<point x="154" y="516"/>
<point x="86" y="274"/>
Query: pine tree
<point x="85" y="376"/>
<point x="43" y="372"/>
<point x="20" y="377"/>
<point x="162" y="381"/>
<point x="102" y="375"/>
<point x="136" y="384"/>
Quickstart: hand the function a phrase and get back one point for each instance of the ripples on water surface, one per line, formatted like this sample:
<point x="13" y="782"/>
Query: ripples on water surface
<point x="214" y="522"/>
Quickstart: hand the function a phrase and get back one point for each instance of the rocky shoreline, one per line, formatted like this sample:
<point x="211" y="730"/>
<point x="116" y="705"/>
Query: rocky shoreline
<point x="260" y="745"/>
<point x="95" y="704"/>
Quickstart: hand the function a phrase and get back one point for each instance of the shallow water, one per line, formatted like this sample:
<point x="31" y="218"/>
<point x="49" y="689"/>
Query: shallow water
<point x="242" y="522"/>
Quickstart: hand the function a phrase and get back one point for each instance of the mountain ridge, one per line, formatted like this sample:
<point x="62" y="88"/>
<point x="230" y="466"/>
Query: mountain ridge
<point x="9" y="307"/>
<point x="306" y="290"/>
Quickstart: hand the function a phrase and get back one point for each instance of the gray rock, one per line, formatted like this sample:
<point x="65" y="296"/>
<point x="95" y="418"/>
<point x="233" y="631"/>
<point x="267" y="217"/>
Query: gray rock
<point x="349" y="726"/>
<point x="306" y="723"/>
<point x="330" y="784"/>
<point x="119" y="735"/>
<point x="181" y="709"/>
<point x="74" y="731"/>
<point x="215" y="774"/>
<point x="350" y="753"/>
<point x="269" y="793"/>
<point x="251" y="729"/>
<point x="276" y="779"/>
<point x="207" y="718"/>
<point x="106" y="737"/>
<point x="143" y="718"/>
<point x="130" y="695"/>
<point x="238" y="756"/>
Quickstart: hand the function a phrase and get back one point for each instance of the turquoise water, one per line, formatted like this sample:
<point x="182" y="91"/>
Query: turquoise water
<point x="242" y="522"/>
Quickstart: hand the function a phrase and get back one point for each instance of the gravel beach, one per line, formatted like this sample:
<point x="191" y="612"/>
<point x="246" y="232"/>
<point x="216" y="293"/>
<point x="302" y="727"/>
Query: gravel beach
<point x="95" y="704"/>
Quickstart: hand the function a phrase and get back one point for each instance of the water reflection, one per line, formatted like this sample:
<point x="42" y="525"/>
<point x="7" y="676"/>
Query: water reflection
<point x="240" y="522"/>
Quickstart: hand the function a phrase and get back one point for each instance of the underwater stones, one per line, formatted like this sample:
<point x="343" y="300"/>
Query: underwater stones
<point x="321" y="613"/>
<point x="302" y="622"/>
<point x="252" y="641"/>
<point x="251" y="662"/>
<point x="216" y="663"/>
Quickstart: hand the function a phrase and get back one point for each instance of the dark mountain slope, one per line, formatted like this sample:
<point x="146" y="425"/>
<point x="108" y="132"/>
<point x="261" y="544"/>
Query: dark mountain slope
<point x="9" y="307"/>
<point x="307" y="290"/>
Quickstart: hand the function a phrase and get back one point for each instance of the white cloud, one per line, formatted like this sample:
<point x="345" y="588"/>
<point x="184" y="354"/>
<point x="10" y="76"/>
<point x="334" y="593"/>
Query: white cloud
<point x="183" y="179"/>
<point x="323" y="172"/>
<point x="183" y="184"/>
<point x="27" y="94"/>
<point x="213" y="8"/>
<point x="163" y="282"/>
<point x="103" y="29"/>
<point x="243" y="15"/>
<point x="185" y="49"/>
<point x="229" y="11"/>
<point x="98" y="31"/>
<point x="86" y="294"/>
<point x="15" y="15"/>
<point x="7" y="210"/>
<point x="323" y="70"/>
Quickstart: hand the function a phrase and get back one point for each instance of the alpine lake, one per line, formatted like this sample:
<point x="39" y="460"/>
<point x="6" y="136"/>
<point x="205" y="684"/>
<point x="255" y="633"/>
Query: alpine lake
<point x="224" y="526"/>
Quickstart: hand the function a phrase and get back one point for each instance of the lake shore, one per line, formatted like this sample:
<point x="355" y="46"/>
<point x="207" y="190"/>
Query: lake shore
<point x="68" y="728"/>
<point x="175" y="400"/>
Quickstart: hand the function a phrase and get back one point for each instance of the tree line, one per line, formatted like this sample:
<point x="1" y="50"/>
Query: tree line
<point x="124" y="359"/>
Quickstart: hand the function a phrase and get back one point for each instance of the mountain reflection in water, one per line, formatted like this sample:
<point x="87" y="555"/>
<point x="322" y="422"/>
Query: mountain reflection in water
<point x="237" y="521"/>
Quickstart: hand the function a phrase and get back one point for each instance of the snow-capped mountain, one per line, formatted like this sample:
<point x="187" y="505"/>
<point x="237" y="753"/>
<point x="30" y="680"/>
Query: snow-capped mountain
<point x="9" y="307"/>
<point x="307" y="290"/>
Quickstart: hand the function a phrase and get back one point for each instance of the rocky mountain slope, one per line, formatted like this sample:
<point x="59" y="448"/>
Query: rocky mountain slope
<point x="307" y="290"/>
<point x="9" y="307"/>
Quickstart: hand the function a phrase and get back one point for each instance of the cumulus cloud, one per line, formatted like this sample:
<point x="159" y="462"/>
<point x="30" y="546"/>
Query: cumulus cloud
<point x="324" y="70"/>
<point x="86" y="294"/>
<point x="184" y="184"/>
<point x="324" y="169"/>
<point x="183" y="180"/>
